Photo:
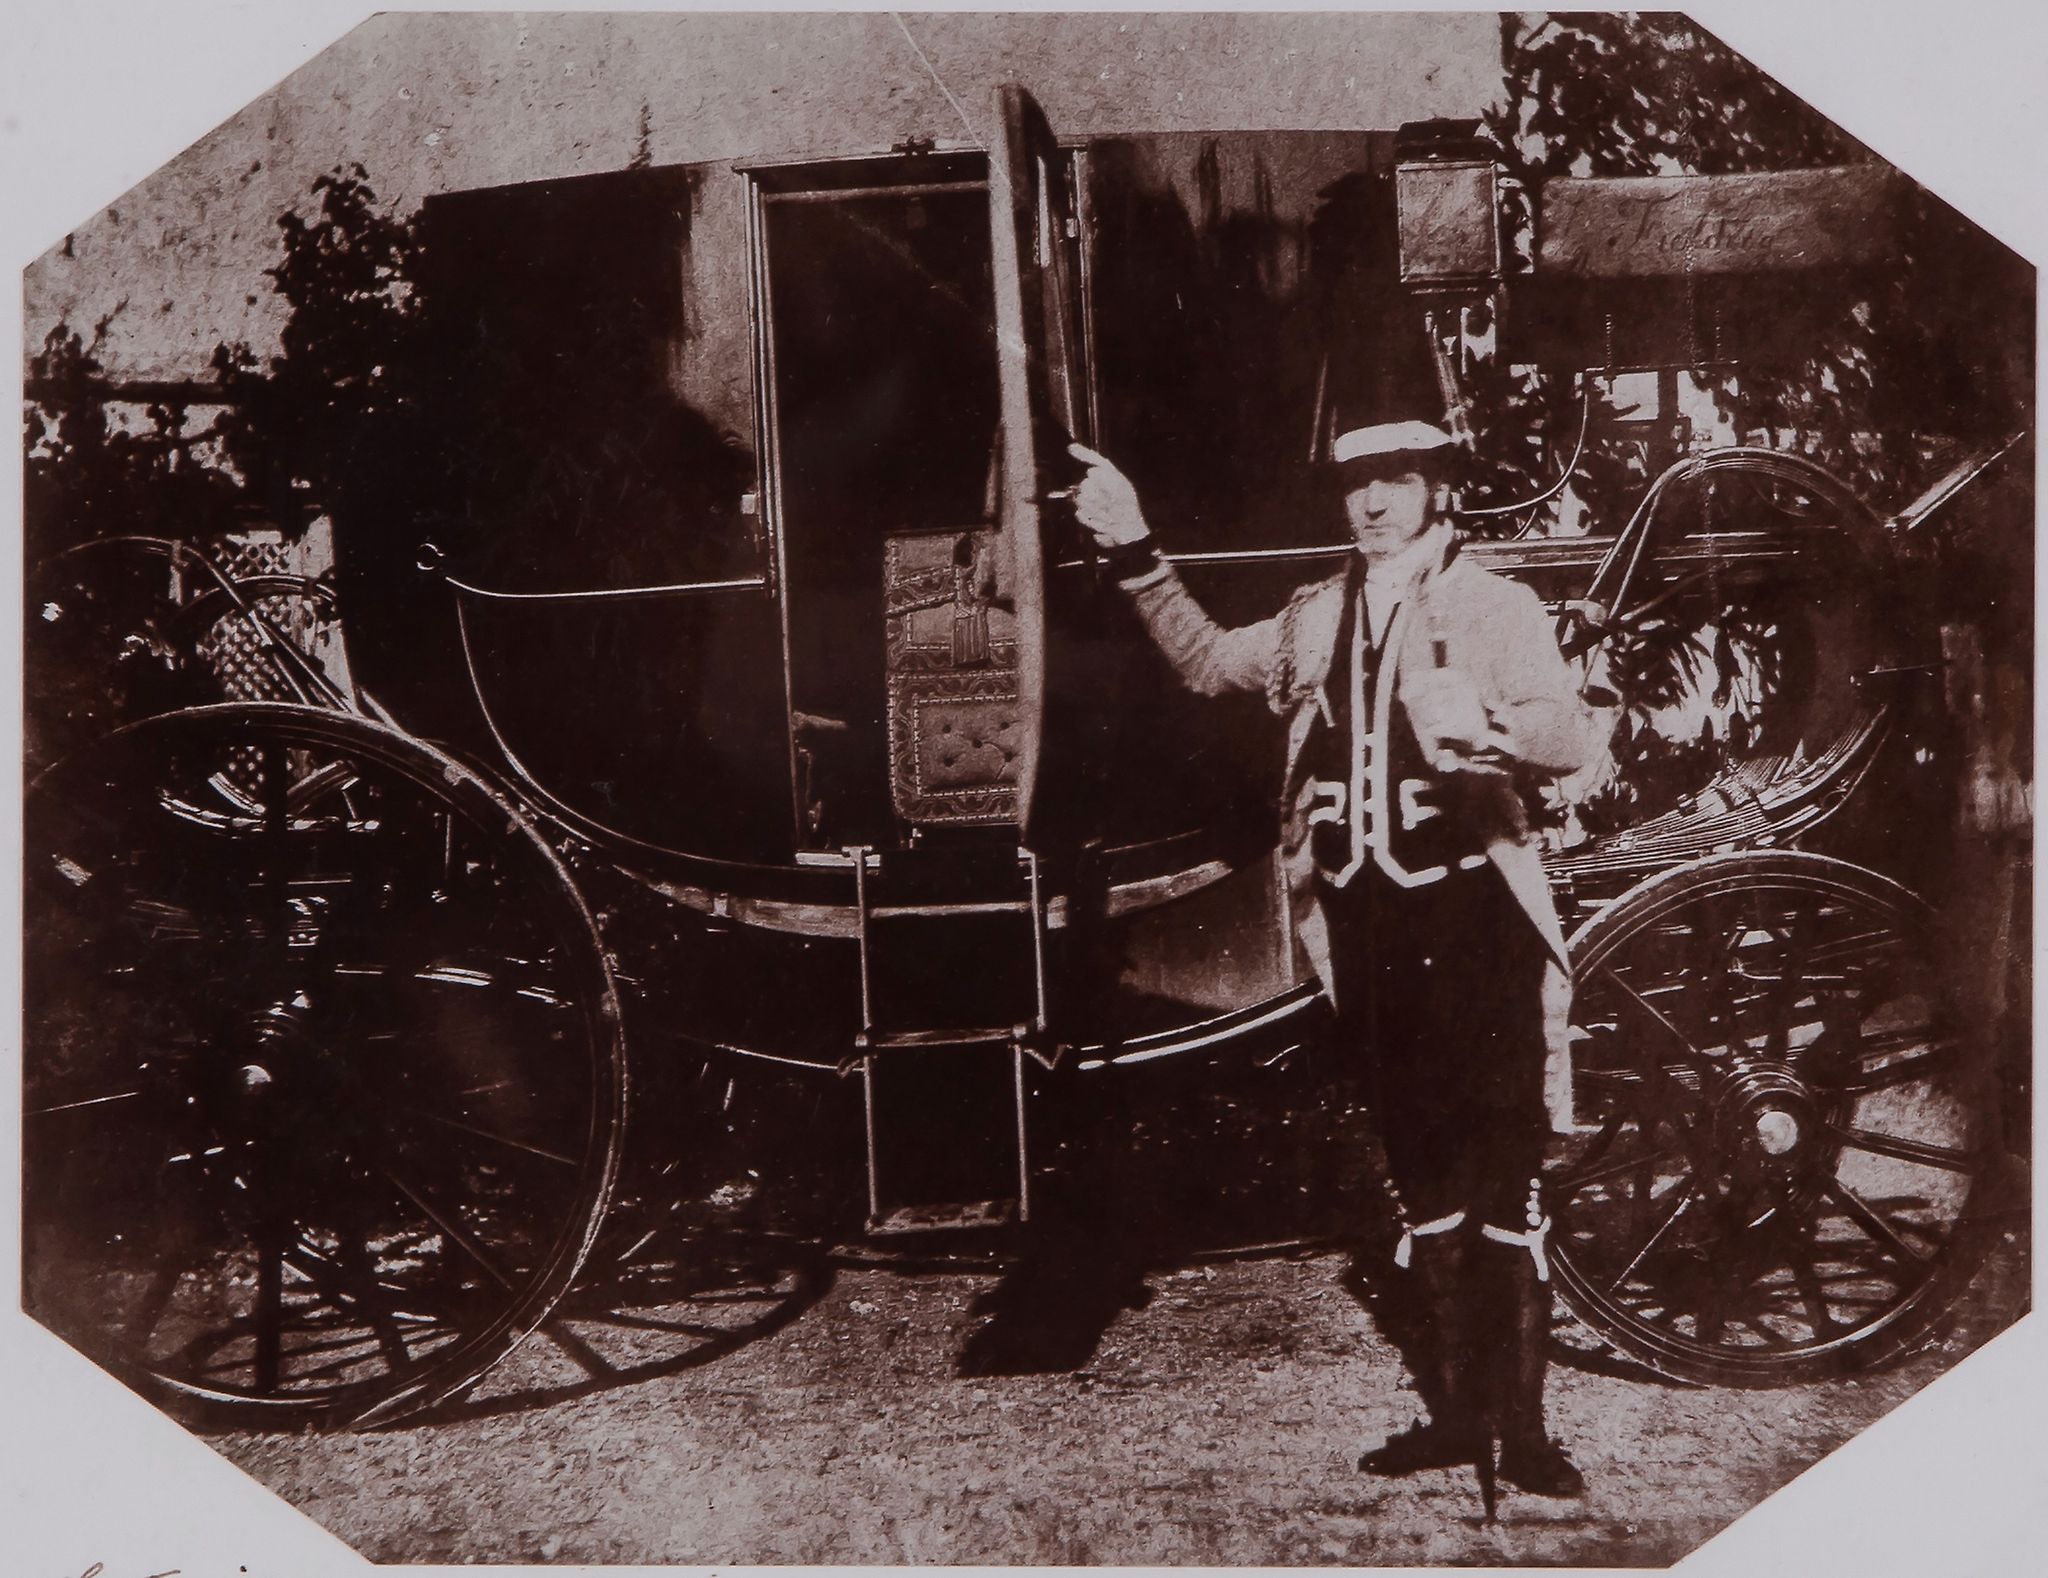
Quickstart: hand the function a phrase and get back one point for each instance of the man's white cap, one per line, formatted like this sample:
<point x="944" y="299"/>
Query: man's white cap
<point x="1388" y="438"/>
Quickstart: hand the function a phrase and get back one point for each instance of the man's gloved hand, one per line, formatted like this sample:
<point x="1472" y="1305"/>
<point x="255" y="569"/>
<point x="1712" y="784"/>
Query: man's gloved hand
<point x="1105" y="503"/>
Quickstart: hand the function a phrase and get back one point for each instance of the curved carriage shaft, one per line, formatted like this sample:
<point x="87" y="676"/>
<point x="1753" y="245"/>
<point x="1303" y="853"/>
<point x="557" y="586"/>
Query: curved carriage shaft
<point x="1786" y="1137"/>
<point x="318" y="1095"/>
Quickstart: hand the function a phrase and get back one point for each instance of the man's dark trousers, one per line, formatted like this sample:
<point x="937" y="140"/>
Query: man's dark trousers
<point x="1439" y="992"/>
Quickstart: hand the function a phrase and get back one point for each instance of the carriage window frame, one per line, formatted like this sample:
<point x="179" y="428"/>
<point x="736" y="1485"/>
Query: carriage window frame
<point x="849" y="178"/>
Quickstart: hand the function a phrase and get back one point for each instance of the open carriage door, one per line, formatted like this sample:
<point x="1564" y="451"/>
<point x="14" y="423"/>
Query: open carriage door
<point x="1041" y="362"/>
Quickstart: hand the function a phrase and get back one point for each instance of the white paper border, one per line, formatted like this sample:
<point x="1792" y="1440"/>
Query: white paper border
<point x="95" y="96"/>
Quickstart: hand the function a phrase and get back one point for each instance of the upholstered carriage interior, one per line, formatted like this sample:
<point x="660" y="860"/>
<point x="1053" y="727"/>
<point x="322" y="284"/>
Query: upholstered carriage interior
<point x="954" y="728"/>
<point x="901" y="674"/>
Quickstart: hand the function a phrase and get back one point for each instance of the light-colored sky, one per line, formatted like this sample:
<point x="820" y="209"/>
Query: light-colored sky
<point x="434" y="103"/>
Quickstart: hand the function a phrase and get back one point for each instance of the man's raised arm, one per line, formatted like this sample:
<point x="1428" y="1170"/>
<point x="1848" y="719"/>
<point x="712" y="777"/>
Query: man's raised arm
<point x="1209" y="658"/>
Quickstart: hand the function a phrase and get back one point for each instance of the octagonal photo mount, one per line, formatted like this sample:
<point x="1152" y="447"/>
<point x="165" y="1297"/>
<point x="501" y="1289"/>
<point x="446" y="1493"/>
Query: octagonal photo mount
<point x="460" y="651"/>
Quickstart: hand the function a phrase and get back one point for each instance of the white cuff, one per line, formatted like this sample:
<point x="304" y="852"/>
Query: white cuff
<point x="1533" y="1241"/>
<point x="1405" y="1250"/>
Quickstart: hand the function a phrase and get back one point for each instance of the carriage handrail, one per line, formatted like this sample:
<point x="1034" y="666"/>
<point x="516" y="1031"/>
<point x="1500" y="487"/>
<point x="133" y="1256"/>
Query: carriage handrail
<point x="598" y="594"/>
<point x="1734" y="457"/>
<point x="1496" y="553"/>
<point x="1634" y="537"/>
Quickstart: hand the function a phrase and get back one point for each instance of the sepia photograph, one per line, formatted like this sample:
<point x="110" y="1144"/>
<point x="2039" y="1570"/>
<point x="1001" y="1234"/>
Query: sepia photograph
<point x="1038" y="788"/>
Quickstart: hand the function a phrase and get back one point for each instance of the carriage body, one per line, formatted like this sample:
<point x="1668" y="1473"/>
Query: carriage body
<point x="715" y="662"/>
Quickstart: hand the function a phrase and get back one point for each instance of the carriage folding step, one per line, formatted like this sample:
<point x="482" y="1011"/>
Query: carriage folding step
<point x="945" y="1133"/>
<point x="952" y="1002"/>
<point x="990" y="1035"/>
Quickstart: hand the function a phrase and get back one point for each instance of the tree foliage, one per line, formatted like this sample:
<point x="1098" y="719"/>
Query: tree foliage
<point x="318" y="424"/>
<point x="1869" y="376"/>
<point x="1866" y="374"/>
<point x="89" y="472"/>
<point x="1650" y="94"/>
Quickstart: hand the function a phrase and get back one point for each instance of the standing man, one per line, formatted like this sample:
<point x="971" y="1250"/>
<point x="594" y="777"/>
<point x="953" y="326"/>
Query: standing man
<point x="1421" y="694"/>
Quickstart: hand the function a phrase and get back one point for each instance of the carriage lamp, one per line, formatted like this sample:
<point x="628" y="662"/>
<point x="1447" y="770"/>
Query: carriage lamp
<point x="1451" y="204"/>
<point x="1445" y="219"/>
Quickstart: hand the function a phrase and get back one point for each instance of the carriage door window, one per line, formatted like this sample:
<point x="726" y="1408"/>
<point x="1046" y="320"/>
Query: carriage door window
<point x="879" y="412"/>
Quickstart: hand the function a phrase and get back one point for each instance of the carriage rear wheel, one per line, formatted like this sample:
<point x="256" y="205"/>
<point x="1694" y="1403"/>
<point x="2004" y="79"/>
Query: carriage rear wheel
<point x="1786" y="1143"/>
<point x="323" y="1080"/>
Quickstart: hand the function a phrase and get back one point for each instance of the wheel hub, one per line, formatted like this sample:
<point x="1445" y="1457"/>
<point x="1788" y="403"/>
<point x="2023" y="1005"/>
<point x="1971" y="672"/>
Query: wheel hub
<point x="279" y="1038"/>
<point x="1769" y="1121"/>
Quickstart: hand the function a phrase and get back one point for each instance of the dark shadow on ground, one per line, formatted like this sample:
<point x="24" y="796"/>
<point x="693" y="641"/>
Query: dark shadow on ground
<point x="1145" y="1172"/>
<point x="1049" y="1312"/>
<point x="683" y="1299"/>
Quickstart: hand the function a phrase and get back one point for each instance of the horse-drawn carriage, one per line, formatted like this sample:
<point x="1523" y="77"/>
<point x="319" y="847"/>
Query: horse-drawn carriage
<point x="326" y="1078"/>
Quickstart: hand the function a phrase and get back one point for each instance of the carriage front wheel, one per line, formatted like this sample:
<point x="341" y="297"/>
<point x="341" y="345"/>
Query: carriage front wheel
<point x="1786" y="1146"/>
<point x="323" y="1079"/>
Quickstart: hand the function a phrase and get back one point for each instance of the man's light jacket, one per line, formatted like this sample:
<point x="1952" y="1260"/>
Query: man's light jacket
<point x="1493" y="629"/>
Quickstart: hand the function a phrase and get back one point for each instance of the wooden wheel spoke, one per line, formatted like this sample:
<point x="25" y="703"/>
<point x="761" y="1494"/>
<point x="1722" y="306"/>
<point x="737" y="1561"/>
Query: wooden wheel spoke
<point x="268" y="1315"/>
<point x="1711" y="1319"/>
<point x="349" y="1284"/>
<point x="1657" y="1017"/>
<point x="1899" y="1148"/>
<point x="1806" y="1277"/>
<point x="1682" y="1199"/>
<point x="1678" y="1103"/>
<point x="277" y="824"/>
<point x="1865" y="1216"/>
<point x="455" y="1235"/>
<point x="357" y="1269"/>
<point x="1771" y="1339"/>
<point x="523" y="1147"/>
<point x="341" y="1351"/>
<point x="1733" y="1273"/>
<point x="1573" y="1180"/>
<point x="1711" y="991"/>
<point x="1862" y="947"/>
<point x="347" y="1357"/>
<point x="1796" y="937"/>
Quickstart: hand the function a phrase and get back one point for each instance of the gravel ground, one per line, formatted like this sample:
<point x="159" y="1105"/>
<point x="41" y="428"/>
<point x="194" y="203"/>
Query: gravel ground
<point x="838" y="1411"/>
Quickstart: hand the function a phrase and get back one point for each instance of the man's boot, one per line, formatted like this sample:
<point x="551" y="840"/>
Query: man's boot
<point x="1451" y="1435"/>
<point x="1519" y="1313"/>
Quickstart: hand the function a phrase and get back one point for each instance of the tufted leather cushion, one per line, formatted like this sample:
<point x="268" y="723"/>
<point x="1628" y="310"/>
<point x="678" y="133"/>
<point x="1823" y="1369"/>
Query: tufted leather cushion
<point x="955" y="729"/>
<point x="965" y="743"/>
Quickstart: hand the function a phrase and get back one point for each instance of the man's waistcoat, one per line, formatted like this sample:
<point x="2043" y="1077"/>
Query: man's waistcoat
<point x="1375" y="800"/>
